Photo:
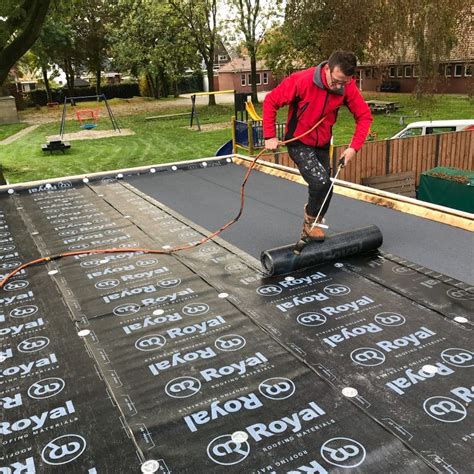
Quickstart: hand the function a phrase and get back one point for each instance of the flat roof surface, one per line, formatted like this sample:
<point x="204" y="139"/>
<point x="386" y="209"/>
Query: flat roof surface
<point x="273" y="216"/>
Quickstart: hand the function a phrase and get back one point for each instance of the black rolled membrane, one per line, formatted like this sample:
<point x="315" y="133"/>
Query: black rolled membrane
<point x="281" y="260"/>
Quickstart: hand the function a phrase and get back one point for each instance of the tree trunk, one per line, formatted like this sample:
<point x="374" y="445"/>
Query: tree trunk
<point x="10" y="54"/>
<point x="49" y="96"/>
<point x="253" y="73"/>
<point x="151" y="85"/>
<point x="68" y="70"/>
<point x="97" y="81"/>
<point x="210" y="80"/>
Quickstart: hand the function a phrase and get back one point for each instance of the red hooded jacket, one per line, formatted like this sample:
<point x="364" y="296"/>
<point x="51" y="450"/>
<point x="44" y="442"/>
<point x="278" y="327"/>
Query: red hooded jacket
<point x="309" y="99"/>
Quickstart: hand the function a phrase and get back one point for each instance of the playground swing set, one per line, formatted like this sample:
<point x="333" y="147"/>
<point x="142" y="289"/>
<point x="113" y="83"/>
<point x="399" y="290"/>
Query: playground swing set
<point x="88" y="119"/>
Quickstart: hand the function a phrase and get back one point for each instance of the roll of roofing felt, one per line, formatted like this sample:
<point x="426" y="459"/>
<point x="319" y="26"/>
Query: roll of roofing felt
<point x="282" y="260"/>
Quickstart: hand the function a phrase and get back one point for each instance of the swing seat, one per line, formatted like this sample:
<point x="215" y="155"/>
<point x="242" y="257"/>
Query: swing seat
<point x="89" y="126"/>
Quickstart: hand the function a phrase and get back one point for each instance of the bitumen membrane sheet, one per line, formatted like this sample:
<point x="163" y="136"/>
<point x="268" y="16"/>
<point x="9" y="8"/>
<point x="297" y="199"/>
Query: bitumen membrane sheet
<point x="196" y="362"/>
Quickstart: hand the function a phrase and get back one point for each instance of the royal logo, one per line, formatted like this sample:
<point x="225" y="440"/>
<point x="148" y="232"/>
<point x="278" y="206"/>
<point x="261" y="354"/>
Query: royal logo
<point x="292" y="423"/>
<point x="170" y="298"/>
<point x="25" y="369"/>
<point x="412" y="339"/>
<point x="352" y="306"/>
<point x="305" y="280"/>
<point x="459" y="294"/>
<point x="9" y="256"/>
<point x="346" y="333"/>
<point x="147" y="262"/>
<point x="238" y="368"/>
<point x="311" y="319"/>
<point x="269" y="290"/>
<point x="106" y="284"/>
<point x="63" y="450"/>
<point x="16" y="285"/>
<point x="225" y="451"/>
<point x="343" y="452"/>
<point x="24" y="311"/>
<point x="183" y="387"/>
<point x="125" y="293"/>
<point x="230" y="342"/>
<point x="445" y="409"/>
<point x="33" y="344"/>
<point x="403" y="270"/>
<point x="458" y="357"/>
<point x="37" y="422"/>
<point x="144" y="275"/>
<point x="301" y="300"/>
<point x="367" y="356"/>
<point x="277" y="388"/>
<point x="20" y="467"/>
<point x="170" y="283"/>
<point x="219" y="409"/>
<point x="390" y="319"/>
<point x="413" y="377"/>
<point x="152" y="342"/>
<point x="195" y="309"/>
<point x="181" y="359"/>
<point x="7" y="300"/>
<point x="109" y="271"/>
<point x="199" y="328"/>
<point x="126" y="309"/>
<point x="46" y="388"/>
<point x="151" y="321"/>
<point x="336" y="290"/>
<point x="15" y="330"/>
<point x="7" y="403"/>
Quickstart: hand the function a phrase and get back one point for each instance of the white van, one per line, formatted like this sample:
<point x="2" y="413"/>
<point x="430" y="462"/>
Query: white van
<point x="436" y="126"/>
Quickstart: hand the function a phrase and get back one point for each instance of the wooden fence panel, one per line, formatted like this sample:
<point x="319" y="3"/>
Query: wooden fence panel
<point x="416" y="154"/>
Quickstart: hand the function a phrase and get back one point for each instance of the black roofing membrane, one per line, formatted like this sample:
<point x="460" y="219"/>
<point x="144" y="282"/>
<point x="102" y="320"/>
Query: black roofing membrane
<point x="197" y="361"/>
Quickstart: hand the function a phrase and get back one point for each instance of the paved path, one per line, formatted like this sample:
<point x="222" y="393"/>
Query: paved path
<point x="18" y="135"/>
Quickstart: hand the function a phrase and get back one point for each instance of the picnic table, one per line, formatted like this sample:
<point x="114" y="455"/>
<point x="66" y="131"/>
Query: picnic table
<point x="384" y="106"/>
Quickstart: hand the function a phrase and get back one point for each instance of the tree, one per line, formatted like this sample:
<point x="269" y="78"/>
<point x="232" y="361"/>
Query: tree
<point x="153" y="40"/>
<point x="375" y="30"/>
<point x="21" y="26"/>
<point x="201" y="20"/>
<point x="253" y="18"/>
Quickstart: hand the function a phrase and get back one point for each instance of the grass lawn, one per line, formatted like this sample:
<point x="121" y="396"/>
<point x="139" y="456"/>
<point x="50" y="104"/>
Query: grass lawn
<point x="7" y="130"/>
<point x="169" y="140"/>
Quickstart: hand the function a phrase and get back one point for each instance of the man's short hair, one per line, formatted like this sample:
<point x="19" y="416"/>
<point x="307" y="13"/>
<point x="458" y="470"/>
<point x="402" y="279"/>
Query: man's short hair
<point x="346" y="61"/>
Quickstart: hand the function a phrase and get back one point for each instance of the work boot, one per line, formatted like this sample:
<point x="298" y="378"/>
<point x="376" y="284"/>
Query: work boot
<point x="316" y="233"/>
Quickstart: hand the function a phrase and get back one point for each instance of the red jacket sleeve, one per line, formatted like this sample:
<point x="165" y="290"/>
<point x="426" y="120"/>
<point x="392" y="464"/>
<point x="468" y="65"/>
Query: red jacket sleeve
<point x="361" y="112"/>
<point x="282" y="95"/>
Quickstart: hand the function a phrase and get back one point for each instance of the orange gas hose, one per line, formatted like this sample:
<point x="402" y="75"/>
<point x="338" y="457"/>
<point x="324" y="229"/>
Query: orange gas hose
<point x="162" y="251"/>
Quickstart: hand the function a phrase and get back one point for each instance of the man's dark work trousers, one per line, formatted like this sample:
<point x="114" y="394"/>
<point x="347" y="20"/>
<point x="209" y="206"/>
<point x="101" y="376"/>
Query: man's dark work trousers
<point x="314" y="166"/>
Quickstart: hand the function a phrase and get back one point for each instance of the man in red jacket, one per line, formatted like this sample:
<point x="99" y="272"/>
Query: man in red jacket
<point x="312" y="94"/>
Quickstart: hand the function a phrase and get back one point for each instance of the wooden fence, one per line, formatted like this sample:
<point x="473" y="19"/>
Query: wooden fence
<point x="418" y="154"/>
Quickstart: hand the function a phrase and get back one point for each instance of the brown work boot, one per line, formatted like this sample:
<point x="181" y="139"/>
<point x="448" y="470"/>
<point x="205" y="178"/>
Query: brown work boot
<point x="315" y="233"/>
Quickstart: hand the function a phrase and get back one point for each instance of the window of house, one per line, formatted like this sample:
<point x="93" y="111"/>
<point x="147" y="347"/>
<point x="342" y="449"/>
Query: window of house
<point x="468" y="70"/>
<point x="457" y="70"/>
<point x="448" y="70"/>
<point x="391" y="71"/>
<point x="416" y="70"/>
<point x="399" y="71"/>
<point x="222" y="57"/>
<point x="259" y="79"/>
<point x="408" y="71"/>
<point x="249" y="79"/>
<point x="243" y="81"/>
<point x="265" y="77"/>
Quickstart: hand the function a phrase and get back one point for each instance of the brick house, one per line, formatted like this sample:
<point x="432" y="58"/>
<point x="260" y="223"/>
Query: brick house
<point x="236" y="75"/>
<point x="400" y="74"/>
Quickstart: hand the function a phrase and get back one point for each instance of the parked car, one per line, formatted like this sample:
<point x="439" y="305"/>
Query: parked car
<point x="435" y="126"/>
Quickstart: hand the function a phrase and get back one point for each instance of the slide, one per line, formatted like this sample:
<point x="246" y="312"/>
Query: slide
<point x="225" y="149"/>
<point x="251" y="111"/>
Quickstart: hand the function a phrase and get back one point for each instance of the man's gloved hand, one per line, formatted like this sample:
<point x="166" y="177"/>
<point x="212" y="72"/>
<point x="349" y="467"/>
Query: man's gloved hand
<point x="272" y="144"/>
<point x="347" y="156"/>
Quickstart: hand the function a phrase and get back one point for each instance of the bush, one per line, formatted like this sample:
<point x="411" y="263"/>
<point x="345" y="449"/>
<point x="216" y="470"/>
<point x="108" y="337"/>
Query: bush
<point x="122" y="91"/>
<point x="191" y="83"/>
